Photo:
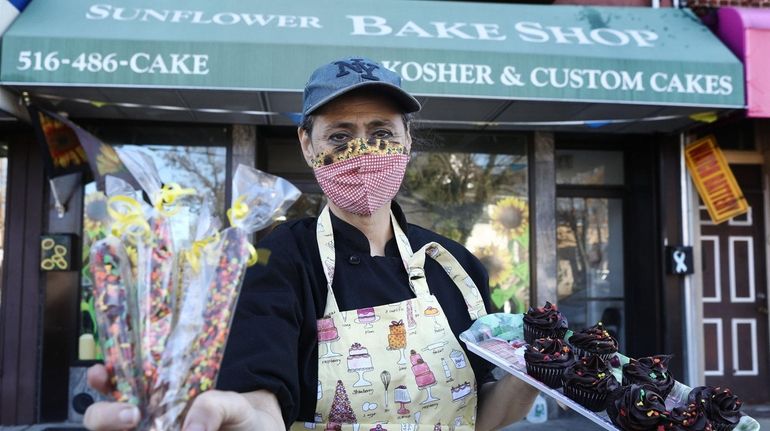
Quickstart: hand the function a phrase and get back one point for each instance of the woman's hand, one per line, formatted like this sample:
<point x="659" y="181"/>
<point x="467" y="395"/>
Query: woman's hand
<point x="211" y="411"/>
<point x="503" y="402"/>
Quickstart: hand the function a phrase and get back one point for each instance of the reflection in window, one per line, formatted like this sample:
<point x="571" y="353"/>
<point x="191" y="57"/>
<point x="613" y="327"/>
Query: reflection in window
<point x="590" y="276"/>
<point x="473" y="189"/>
<point x="588" y="167"/>
<point x="200" y="167"/>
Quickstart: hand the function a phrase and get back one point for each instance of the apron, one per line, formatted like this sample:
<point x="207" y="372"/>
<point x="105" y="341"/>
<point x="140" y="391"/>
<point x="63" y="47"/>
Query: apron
<point x="394" y="367"/>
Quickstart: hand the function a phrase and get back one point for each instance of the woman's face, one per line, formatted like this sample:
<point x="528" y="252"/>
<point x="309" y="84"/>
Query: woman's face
<point x="358" y="115"/>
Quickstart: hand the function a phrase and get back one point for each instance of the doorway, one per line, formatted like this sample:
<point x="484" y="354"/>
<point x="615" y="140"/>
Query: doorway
<point x="590" y="239"/>
<point x="735" y="315"/>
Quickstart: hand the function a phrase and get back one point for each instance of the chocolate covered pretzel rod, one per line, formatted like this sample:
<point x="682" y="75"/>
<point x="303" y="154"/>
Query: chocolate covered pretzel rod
<point x="209" y="345"/>
<point x="157" y="298"/>
<point x="113" y="301"/>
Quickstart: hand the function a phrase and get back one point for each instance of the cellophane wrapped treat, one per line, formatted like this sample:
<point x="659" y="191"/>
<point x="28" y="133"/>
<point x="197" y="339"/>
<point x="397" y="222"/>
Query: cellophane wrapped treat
<point x="165" y="304"/>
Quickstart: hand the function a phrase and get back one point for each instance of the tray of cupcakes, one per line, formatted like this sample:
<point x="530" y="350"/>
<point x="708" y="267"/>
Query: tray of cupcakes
<point x="583" y="370"/>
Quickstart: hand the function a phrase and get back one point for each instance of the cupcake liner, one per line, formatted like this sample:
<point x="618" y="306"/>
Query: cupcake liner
<point x="721" y="426"/>
<point x="580" y="353"/>
<point x="591" y="400"/>
<point x="660" y="391"/>
<point x="549" y="375"/>
<point x="531" y="333"/>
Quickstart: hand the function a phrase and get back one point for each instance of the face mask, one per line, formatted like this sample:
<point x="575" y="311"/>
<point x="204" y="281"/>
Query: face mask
<point x="362" y="175"/>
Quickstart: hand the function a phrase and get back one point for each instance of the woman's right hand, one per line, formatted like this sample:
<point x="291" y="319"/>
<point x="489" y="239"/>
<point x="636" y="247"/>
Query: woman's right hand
<point x="105" y="415"/>
<point x="211" y="411"/>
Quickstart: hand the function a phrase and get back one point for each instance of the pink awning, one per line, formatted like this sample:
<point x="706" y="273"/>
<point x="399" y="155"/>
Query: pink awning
<point x="747" y="33"/>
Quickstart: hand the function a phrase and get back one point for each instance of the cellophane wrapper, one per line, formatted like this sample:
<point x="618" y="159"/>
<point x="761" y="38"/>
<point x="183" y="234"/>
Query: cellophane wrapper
<point x="167" y="311"/>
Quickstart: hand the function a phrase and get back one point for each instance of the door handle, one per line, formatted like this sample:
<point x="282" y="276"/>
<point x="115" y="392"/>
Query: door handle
<point x="762" y="310"/>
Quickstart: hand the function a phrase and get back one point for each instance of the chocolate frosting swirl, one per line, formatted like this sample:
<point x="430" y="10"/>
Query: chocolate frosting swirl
<point x="719" y="405"/>
<point x="688" y="417"/>
<point x="547" y="318"/>
<point x="595" y="340"/>
<point x="549" y="352"/>
<point x="591" y="373"/>
<point x="637" y="408"/>
<point x="652" y="370"/>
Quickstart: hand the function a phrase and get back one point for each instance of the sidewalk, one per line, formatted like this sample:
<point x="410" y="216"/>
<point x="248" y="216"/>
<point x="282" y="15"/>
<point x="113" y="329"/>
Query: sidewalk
<point x="566" y="421"/>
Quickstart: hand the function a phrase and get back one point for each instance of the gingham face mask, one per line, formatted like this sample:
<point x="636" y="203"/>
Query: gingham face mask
<point x="362" y="175"/>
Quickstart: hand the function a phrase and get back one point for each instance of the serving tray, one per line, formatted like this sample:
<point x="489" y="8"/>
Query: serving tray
<point x="491" y="335"/>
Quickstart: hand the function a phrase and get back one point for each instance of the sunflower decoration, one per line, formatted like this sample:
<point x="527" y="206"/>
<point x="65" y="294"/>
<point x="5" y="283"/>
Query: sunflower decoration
<point x="497" y="260"/>
<point x="95" y="215"/>
<point x="107" y="161"/>
<point x="511" y="216"/>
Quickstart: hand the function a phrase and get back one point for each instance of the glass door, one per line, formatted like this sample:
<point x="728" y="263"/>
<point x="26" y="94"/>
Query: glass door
<point x="590" y="259"/>
<point x="590" y="243"/>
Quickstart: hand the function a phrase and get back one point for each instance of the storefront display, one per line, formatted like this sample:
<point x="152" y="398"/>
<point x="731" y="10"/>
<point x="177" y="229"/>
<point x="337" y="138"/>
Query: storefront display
<point x="505" y="88"/>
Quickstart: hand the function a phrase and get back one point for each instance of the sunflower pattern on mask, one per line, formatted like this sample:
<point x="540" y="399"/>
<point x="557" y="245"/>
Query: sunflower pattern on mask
<point x="358" y="147"/>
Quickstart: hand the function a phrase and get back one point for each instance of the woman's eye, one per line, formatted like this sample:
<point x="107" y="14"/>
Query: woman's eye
<point x="339" y="137"/>
<point x="383" y="134"/>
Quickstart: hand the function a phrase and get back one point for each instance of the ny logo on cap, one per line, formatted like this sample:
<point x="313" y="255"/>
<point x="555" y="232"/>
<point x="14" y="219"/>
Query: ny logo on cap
<point x="359" y="66"/>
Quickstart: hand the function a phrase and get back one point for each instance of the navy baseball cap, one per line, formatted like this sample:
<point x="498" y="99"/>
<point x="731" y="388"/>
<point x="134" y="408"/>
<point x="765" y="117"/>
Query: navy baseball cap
<point x="342" y="76"/>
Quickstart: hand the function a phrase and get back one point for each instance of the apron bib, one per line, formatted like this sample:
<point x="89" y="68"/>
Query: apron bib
<point x="395" y="367"/>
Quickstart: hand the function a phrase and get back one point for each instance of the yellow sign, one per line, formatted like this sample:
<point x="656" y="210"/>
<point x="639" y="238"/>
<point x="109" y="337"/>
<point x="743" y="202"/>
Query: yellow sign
<point x="714" y="179"/>
<point x="54" y="252"/>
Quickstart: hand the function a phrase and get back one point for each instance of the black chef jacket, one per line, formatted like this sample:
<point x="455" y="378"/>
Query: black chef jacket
<point x="273" y="341"/>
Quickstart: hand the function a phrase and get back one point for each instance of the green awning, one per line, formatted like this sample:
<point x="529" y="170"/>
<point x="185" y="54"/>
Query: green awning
<point x="451" y="50"/>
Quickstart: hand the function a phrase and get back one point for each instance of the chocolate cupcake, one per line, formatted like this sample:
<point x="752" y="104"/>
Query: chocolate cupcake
<point x="546" y="359"/>
<point x="594" y="341"/>
<point x="590" y="382"/>
<point x="544" y="322"/>
<point x="720" y="406"/>
<point x="688" y="418"/>
<point x="638" y="407"/>
<point x="653" y="371"/>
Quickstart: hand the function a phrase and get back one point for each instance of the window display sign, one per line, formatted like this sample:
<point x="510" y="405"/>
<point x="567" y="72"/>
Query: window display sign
<point x="56" y="252"/>
<point x="714" y="180"/>
<point x="679" y="260"/>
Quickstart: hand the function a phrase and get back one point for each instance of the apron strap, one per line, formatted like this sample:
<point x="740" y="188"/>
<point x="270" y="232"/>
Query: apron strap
<point x="454" y="270"/>
<point x="414" y="265"/>
<point x="325" y="238"/>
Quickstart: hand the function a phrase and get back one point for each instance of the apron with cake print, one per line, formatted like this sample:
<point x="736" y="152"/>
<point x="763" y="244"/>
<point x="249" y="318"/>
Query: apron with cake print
<point x="395" y="367"/>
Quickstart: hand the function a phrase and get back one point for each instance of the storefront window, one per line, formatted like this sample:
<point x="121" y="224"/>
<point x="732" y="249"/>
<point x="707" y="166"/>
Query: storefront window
<point x="589" y="168"/>
<point x="470" y="187"/>
<point x="202" y="167"/>
<point x="473" y="188"/>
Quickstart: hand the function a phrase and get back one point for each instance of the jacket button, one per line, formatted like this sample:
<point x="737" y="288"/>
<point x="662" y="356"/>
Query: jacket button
<point x="354" y="260"/>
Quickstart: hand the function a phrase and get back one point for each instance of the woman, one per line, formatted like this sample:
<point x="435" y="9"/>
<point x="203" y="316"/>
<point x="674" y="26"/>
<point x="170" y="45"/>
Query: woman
<point x="389" y="297"/>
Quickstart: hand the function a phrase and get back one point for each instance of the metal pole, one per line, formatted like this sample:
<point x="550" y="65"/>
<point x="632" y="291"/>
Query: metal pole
<point x="693" y="322"/>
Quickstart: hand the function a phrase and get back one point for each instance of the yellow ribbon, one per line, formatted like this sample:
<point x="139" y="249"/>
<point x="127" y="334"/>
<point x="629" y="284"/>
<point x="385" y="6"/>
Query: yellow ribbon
<point x="238" y="212"/>
<point x="168" y="196"/>
<point x="128" y="217"/>
<point x="253" y="256"/>
<point x="193" y="255"/>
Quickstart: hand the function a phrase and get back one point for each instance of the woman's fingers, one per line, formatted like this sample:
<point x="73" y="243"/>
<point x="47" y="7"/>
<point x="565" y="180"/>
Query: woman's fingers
<point x="108" y="416"/>
<point x="99" y="379"/>
<point x="219" y="410"/>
